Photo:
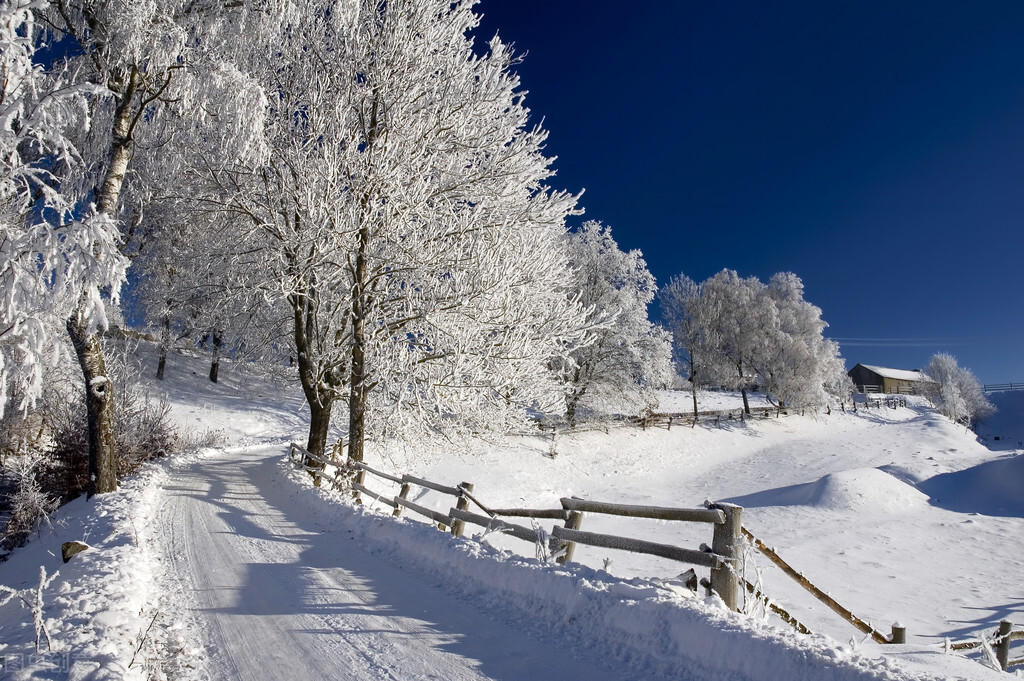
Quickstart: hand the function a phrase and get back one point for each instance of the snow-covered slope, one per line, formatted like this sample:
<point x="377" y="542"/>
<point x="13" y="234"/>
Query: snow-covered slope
<point x="891" y="511"/>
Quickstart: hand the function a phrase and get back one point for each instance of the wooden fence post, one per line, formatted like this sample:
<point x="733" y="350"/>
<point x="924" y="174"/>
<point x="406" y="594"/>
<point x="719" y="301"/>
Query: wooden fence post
<point x="573" y="523"/>
<point x="728" y="543"/>
<point x="404" y="494"/>
<point x="360" y="476"/>
<point x="899" y="634"/>
<point x="462" y="503"/>
<point x="1003" y="646"/>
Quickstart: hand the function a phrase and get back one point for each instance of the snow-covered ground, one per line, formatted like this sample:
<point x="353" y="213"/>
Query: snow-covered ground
<point x="227" y="564"/>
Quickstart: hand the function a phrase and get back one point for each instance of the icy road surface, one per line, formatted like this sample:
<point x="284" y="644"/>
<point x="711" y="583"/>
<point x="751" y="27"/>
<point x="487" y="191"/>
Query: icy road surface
<point x="279" y="595"/>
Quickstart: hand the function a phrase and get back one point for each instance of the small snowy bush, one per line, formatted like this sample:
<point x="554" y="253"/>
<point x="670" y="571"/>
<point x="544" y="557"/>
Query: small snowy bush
<point x="142" y="431"/>
<point x="20" y="430"/>
<point x="29" y="505"/>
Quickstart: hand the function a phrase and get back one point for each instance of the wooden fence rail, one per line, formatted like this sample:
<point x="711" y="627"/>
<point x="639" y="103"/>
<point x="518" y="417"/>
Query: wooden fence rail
<point x="608" y="541"/>
<point x="668" y="420"/>
<point x="1001" y="387"/>
<point x="876" y="635"/>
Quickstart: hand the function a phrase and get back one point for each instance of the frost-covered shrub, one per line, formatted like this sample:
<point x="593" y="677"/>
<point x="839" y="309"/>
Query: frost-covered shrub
<point x="142" y="429"/>
<point x="20" y="430"/>
<point x="29" y="505"/>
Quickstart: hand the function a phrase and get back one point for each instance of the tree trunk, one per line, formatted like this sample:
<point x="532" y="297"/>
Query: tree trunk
<point x="165" y="343"/>
<point x="319" y="398"/>
<point x="218" y="341"/>
<point x="693" y="389"/>
<point x="99" y="388"/>
<point x="743" y="391"/>
<point x="357" y="394"/>
<point x="319" y="428"/>
<point x="572" y="401"/>
<point x="99" y="396"/>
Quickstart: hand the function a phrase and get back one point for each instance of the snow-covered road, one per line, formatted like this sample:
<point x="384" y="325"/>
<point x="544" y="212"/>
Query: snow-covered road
<point x="279" y="594"/>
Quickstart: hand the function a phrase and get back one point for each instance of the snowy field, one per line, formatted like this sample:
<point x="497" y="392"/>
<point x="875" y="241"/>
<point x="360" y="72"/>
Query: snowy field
<point x="897" y="513"/>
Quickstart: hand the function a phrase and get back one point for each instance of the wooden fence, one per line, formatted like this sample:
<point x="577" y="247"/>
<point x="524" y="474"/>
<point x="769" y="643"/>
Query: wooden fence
<point x="1002" y="387"/>
<point x="877" y="636"/>
<point x="667" y="420"/>
<point x="721" y="557"/>
<point x="717" y="416"/>
<point x="890" y="401"/>
<point x="998" y="643"/>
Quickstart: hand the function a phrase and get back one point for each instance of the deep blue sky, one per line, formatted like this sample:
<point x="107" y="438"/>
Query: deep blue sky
<point x="876" y="149"/>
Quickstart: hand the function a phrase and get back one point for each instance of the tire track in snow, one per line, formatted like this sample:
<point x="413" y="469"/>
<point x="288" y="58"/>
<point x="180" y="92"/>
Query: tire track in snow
<point x="281" y="595"/>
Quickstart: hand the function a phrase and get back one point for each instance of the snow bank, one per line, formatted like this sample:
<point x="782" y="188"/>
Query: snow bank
<point x="1004" y="430"/>
<point x="106" y="611"/>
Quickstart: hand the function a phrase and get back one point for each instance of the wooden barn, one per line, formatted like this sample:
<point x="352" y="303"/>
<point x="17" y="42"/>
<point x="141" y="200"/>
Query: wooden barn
<point x="872" y="379"/>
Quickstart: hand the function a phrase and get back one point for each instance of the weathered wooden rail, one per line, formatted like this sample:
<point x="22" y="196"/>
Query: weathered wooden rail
<point x="800" y="579"/>
<point x="1002" y="387"/>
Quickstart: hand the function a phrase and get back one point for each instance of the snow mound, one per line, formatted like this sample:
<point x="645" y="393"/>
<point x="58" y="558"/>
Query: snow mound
<point x="851" y="490"/>
<point x="865" y="488"/>
<point x="993" y="488"/>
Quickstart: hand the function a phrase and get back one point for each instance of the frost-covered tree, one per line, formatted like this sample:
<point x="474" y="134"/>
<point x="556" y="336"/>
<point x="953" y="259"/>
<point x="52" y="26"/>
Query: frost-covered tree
<point x="52" y="261"/>
<point x="193" y="284"/>
<point x="405" y="217"/>
<point x="135" y="62"/>
<point x="956" y="391"/>
<point x="685" y="312"/>
<point x="740" y="318"/>
<point x="741" y="332"/>
<point x="797" y="364"/>
<point x="627" y="357"/>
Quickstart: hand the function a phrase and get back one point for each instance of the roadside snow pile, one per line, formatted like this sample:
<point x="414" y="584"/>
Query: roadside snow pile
<point x="652" y="624"/>
<point x="104" y="611"/>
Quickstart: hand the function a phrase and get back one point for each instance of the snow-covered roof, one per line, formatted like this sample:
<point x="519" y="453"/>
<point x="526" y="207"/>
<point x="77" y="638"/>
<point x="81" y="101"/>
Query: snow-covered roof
<point x="898" y="374"/>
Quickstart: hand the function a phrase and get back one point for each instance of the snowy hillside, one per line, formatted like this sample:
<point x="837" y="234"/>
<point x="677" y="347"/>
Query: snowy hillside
<point x="897" y="513"/>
